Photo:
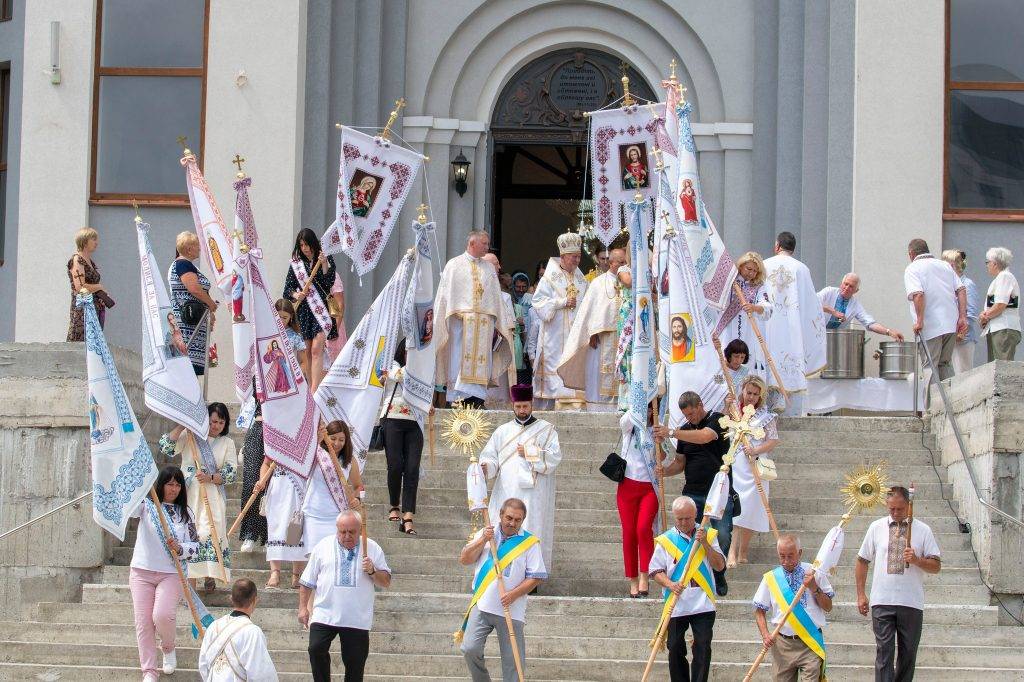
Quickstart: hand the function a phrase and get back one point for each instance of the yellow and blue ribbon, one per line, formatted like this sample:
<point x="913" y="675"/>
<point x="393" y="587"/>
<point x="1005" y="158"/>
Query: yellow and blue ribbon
<point x="679" y="548"/>
<point x="509" y="551"/>
<point x="799" y="620"/>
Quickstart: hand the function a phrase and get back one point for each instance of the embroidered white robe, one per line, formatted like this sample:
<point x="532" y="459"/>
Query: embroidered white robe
<point x="234" y="649"/>
<point x="533" y="482"/>
<point x="592" y="370"/>
<point x="224" y="455"/>
<point x="555" y="321"/>
<point x="794" y="329"/>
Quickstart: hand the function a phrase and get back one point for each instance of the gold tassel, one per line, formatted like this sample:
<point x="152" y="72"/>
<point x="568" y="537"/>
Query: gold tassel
<point x="457" y="636"/>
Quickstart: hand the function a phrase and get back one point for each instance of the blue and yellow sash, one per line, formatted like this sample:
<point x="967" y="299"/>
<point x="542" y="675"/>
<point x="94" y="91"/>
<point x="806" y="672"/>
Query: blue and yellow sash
<point x="510" y="550"/>
<point x="809" y="633"/>
<point x="679" y="548"/>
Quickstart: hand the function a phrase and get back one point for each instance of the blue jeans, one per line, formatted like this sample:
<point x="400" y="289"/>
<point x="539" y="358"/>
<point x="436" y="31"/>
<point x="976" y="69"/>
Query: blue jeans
<point x="722" y="525"/>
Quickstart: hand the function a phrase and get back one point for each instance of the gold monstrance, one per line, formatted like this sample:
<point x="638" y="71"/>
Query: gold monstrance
<point x="467" y="429"/>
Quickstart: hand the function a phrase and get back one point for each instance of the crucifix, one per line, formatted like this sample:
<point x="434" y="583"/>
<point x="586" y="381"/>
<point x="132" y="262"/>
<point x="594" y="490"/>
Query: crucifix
<point x="182" y="140"/>
<point x="238" y="161"/>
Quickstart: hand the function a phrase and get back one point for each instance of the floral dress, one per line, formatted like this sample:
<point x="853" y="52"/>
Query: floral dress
<point x="323" y="282"/>
<point x="76" y="326"/>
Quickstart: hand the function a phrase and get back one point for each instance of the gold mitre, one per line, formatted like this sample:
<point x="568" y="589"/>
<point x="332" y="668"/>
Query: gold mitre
<point x="570" y="242"/>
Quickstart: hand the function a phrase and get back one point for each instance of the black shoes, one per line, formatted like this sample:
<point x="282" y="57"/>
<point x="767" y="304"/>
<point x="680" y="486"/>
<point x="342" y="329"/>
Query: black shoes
<point x="721" y="585"/>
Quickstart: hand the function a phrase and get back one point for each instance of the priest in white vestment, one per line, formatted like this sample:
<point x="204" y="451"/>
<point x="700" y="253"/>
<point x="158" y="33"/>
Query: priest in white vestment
<point x="795" y="330"/>
<point x="234" y="648"/>
<point x="497" y="396"/>
<point x="474" y="346"/>
<point x="521" y="457"/>
<point x="588" y="359"/>
<point x="556" y="300"/>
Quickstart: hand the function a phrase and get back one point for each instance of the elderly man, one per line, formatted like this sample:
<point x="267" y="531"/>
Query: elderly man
<point x="336" y="595"/>
<point x="695" y="607"/>
<point x="588" y="359"/>
<point x="519" y="556"/>
<point x="468" y="310"/>
<point x="521" y="457"/>
<point x="701" y="445"/>
<point x="555" y="302"/>
<point x="938" y="305"/>
<point x="897" y="585"/>
<point x="839" y="308"/>
<point x="234" y="648"/>
<point x="798" y="654"/>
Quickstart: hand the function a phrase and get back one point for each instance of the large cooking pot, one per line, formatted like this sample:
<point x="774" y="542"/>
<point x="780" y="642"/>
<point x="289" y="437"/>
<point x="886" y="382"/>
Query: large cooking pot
<point x="896" y="359"/>
<point x="844" y="353"/>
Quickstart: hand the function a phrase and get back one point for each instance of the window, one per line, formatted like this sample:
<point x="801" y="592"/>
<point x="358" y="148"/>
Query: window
<point x="149" y="89"/>
<point x="6" y="10"/>
<point x="5" y="92"/>
<point x="984" y="174"/>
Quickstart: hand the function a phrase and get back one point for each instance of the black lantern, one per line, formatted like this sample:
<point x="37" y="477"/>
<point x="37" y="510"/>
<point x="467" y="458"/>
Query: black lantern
<point x="460" y="171"/>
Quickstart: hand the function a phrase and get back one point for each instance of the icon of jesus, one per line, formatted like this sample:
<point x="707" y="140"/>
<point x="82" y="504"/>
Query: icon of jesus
<point x="634" y="172"/>
<point x="682" y="345"/>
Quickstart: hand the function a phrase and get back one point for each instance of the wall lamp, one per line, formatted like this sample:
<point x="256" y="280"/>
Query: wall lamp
<point x="460" y="171"/>
<point x="55" y="52"/>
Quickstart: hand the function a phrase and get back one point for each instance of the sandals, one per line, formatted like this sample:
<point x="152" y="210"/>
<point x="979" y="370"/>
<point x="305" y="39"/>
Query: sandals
<point x="407" y="531"/>
<point x="395" y="515"/>
<point x="275" y="578"/>
<point x="295" y="580"/>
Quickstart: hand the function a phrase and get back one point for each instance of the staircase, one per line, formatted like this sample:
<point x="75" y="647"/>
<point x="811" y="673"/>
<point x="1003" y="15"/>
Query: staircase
<point x="581" y="627"/>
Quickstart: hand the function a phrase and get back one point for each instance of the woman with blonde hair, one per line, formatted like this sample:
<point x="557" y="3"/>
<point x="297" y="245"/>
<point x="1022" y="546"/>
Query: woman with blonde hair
<point x="736" y="319"/>
<point x="190" y="298"/>
<point x="963" y="354"/>
<point x="753" y="517"/>
<point x="84" y="274"/>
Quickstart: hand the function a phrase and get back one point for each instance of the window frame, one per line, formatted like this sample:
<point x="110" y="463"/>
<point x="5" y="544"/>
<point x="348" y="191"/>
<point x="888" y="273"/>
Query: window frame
<point x="6" y="10"/>
<point x="127" y="199"/>
<point x="970" y="214"/>
<point x="5" y="97"/>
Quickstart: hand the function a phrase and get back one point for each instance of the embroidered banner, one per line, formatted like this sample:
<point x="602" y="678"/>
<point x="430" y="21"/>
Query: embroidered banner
<point x="171" y="387"/>
<point x="374" y="179"/>
<point x="418" y="326"/>
<point x="123" y="470"/>
<point x="245" y="251"/>
<point x="353" y="387"/>
<point x="622" y="143"/>
<point x="214" y="239"/>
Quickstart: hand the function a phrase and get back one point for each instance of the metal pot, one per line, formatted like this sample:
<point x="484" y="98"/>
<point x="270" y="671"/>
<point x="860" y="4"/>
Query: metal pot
<point x="844" y="353"/>
<point x="896" y="359"/>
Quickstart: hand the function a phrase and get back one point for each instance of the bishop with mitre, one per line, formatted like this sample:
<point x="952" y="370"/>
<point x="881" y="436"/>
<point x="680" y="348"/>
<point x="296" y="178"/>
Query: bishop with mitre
<point x="555" y="302"/>
<point x="588" y="359"/>
<point x="474" y="347"/>
<point x="521" y="457"/>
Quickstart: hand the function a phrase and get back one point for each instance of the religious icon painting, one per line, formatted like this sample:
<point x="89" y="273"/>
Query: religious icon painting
<point x="380" y="364"/>
<point x="633" y="162"/>
<point x="278" y="378"/>
<point x="173" y="344"/>
<point x="688" y="201"/>
<point x="683" y="348"/>
<point x="644" y="305"/>
<point x="362" y="192"/>
<point x="424" y="323"/>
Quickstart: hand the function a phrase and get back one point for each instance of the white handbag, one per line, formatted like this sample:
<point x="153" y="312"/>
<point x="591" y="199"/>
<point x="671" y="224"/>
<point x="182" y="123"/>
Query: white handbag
<point x="766" y="468"/>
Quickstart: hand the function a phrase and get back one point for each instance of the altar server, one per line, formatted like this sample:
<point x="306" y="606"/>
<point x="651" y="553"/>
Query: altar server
<point x="336" y="596"/>
<point x="695" y="606"/>
<point x="234" y="648"/>
<point x="520" y="557"/>
<point x="326" y="495"/>
<point x="795" y="331"/>
<point x="588" y="359"/>
<point x="799" y="653"/>
<point x="559" y="293"/>
<point x="521" y="457"/>
<point x="468" y="309"/>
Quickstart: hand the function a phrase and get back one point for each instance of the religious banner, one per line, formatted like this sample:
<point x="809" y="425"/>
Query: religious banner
<point x="245" y="251"/>
<point x="374" y="179"/>
<point x="643" y="379"/>
<point x="214" y="238"/>
<point x="418" y="325"/>
<point x="123" y="471"/>
<point x="622" y="143"/>
<point x="171" y="387"/>
<point x="354" y="385"/>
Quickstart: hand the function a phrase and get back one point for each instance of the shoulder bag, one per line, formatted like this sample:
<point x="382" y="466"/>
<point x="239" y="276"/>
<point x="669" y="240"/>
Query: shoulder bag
<point x="377" y="437"/>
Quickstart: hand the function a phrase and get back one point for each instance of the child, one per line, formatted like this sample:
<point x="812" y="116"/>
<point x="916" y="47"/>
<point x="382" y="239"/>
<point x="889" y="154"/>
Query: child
<point x="286" y="313"/>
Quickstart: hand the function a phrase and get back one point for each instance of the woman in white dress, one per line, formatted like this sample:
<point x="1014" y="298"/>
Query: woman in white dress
<point x="283" y="509"/>
<point x="735" y="322"/>
<point x="225" y="470"/>
<point x="753" y="517"/>
<point x="326" y="496"/>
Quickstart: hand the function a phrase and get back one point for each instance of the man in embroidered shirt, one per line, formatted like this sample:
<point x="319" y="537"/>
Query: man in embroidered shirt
<point x="694" y="607"/>
<point x="234" y="648"/>
<point x="839" y="307"/>
<point x="897" y="585"/>
<point x="521" y="575"/>
<point x="336" y="593"/>
<point x="792" y="654"/>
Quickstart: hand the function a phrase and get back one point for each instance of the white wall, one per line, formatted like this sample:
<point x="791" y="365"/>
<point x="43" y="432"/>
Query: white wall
<point x="54" y="185"/>
<point x="897" y="183"/>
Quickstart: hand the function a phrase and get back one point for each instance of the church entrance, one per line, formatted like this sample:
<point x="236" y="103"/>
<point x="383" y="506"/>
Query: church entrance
<point x="539" y="151"/>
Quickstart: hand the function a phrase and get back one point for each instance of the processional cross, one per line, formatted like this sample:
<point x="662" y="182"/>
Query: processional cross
<point x="740" y="429"/>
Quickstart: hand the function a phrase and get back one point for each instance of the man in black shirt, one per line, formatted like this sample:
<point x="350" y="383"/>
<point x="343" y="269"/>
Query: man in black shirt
<point x="701" y="446"/>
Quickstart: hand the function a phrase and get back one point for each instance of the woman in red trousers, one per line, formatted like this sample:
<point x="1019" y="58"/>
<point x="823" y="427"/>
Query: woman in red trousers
<point x="637" y="500"/>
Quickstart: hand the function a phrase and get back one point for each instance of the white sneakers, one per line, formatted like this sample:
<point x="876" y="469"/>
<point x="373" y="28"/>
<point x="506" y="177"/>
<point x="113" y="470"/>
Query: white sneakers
<point x="170" y="662"/>
<point x="150" y="677"/>
<point x="248" y="546"/>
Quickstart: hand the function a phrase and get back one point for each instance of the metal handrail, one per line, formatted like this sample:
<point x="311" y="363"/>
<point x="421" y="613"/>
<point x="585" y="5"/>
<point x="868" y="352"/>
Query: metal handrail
<point x="44" y="515"/>
<point x="960" y="440"/>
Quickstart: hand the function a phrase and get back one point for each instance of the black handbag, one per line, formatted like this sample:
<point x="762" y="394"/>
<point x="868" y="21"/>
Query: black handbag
<point x="192" y="312"/>
<point x="377" y="437"/>
<point x="614" y="467"/>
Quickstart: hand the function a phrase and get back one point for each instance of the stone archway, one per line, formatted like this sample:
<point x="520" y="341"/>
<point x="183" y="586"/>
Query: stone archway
<point x="538" y="137"/>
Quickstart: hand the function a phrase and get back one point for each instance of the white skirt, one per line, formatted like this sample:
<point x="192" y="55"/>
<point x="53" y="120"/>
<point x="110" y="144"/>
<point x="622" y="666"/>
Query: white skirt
<point x="316" y="529"/>
<point x="283" y="500"/>
<point x="754" y="516"/>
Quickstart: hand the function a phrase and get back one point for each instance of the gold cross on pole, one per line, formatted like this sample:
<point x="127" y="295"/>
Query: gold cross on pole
<point x="182" y="140"/>
<point x="741" y="427"/>
<point x="658" y="165"/>
<point x="238" y="161"/>
<point x="399" y="103"/>
<point x="422" y="217"/>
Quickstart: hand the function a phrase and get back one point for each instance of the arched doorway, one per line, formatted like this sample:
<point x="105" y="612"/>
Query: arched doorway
<point x="539" y="148"/>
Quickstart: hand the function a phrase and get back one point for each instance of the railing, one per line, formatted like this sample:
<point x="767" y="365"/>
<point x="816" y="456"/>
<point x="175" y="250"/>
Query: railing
<point x="960" y="439"/>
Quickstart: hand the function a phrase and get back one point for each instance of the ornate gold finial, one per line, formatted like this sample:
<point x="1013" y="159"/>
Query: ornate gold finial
<point x="865" y="488"/>
<point x="638" y="197"/>
<point x="182" y="140"/>
<point x="466" y="429"/>
<point x="682" y="94"/>
<point x="238" y="161"/>
<point x="422" y="217"/>
<point x="627" y="99"/>
<point x="658" y="164"/>
<point x="240" y="236"/>
<point x="138" y="216"/>
<point x="399" y="103"/>
<point x="672" y="70"/>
